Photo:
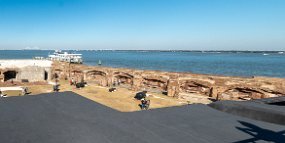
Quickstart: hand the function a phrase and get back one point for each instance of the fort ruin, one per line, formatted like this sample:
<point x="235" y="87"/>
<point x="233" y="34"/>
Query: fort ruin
<point x="174" y="84"/>
<point x="25" y="70"/>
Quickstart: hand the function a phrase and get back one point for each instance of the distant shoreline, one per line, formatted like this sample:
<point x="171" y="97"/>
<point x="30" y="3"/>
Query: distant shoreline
<point x="3" y="64"/>
<point x="162" y="71"/>
<point x="199" y="51"/>
<point x="225" y="63"/>
<point x="192" y="73"/>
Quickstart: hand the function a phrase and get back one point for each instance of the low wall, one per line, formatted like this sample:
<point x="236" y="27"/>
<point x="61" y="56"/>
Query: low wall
<point x="28" y="70"/>
<point x="174" y="84"/>
<point x="33" y="74"/>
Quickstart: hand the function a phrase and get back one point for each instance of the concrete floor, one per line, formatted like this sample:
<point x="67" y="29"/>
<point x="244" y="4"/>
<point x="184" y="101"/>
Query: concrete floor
<point x="69" y="118"/>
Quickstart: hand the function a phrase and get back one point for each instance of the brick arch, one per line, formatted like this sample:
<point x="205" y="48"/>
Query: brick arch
<point x="97" y="77"/>
<point x="123" y="78"/>
<point x="235" y="93"/>
<point x="195" y="86"/>
<point x="157" y="83"/>
<point x="77" y="74"/>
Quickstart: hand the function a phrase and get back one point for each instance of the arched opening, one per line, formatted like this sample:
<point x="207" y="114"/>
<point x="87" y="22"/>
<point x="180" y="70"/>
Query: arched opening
<point x="155" y="84"/>
<point x="195" y="87"/>
<point x="10" y="75"/>
<point x="123" y="79"/>
<point x="46" y="75"/>
<point x="56" y="75"/>
<point x="242" y="93"/>
<point x="77" y="75"/>
<point x="97" y="77"/>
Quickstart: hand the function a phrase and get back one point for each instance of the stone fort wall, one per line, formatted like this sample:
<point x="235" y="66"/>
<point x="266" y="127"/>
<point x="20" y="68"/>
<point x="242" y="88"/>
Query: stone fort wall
<point x="174" y="84"/>
<point x="25" y="70"/>
<point x="28" y="74"/>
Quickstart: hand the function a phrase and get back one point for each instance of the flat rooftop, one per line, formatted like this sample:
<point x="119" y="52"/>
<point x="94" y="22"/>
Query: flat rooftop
<point x="24" y="63"/>
<point x="70" y="118"/>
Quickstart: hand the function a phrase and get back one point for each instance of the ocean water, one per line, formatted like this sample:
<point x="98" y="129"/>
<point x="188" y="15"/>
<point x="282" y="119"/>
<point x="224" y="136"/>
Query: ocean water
<point x="228" y="63"/>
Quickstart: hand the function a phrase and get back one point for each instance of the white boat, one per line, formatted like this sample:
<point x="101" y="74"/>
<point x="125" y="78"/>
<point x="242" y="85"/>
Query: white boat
<point x="66" y="57"/>
<point x="280" y="52"/>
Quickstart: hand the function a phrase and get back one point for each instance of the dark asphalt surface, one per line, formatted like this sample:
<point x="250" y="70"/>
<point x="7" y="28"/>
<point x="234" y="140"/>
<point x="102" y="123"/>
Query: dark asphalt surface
<point x="255" y="109"/>
<point x="69" y="118"/>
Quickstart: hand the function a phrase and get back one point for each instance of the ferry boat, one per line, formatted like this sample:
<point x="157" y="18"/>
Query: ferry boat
<point x="66" y="57"/>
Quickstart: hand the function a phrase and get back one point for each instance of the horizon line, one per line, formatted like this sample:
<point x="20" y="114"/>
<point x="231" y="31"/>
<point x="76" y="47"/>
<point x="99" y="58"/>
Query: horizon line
<point x="144" y="50"/>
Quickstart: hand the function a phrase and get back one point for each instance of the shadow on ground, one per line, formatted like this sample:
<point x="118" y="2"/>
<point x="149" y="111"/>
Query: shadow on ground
<point x="260" y="134"/>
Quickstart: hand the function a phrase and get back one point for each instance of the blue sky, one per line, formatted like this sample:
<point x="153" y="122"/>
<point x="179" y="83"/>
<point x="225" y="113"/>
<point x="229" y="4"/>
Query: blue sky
<point x="143" y="24"/>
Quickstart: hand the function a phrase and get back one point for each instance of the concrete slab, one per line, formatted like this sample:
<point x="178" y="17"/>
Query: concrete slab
<point x="68" y="117"/>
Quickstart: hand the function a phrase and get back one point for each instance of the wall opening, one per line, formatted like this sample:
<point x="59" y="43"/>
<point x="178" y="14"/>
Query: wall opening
<point x="241" y="93"/>
<point x="56" y="75"/>
<point x="195" y="87"/>
<point x="46" y="75"/>
<point x="158" y="85"/>
<point x="123" y="79"/>
<point x="10" y="75"/>
<point x="77" y="75"/>
<point x="97" y="77"/>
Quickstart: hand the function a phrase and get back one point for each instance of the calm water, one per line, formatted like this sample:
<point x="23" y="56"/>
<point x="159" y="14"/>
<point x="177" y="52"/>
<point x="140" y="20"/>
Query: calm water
<point x="223" y="63"/>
